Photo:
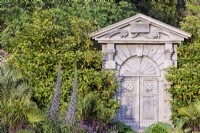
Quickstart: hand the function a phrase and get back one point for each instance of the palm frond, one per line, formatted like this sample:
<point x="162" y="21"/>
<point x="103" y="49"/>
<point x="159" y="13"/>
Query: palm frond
<point x="12" y="78"/>
<point x="191" y="113"/>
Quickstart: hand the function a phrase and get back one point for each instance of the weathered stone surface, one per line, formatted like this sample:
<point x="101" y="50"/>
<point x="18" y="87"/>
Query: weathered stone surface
<point x="110" y="64"/>
<point x="140" y="48"/>
<point x="139" y="27"/>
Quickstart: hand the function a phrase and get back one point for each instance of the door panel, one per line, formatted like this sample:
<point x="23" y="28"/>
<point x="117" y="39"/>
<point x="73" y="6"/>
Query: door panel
<point x="149" y="98"/>
<point x="130" y="102"/>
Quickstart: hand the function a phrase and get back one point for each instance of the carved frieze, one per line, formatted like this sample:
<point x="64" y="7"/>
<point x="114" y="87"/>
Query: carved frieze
<point x="140" y="30"/>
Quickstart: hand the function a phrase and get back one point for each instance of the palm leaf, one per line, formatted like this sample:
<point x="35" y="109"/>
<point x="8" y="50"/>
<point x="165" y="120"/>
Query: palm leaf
<point x="191" y="112"/>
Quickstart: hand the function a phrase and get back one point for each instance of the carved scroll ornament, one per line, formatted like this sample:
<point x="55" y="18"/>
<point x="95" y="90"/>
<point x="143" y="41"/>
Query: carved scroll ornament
<point x="123" y="33"/>
<point x="155" y="34"/>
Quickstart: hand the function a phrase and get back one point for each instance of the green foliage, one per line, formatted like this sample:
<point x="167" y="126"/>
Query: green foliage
<point x="1" y="57"/>
<point x="48" y="126"/>
<point x="186" y="78"/>
<point x="102" y="13"/>
<point x="191" y="22"/>
<point x="12" y="80"/>
<point x="46" y="35"/>
<point x="40" y="37"/>
<point x="1" y="127"/>
<point x="192" y="113"/>
<point x="24" y="131"/>
<point x="179" y="126"/>
<point x="91" y="106"/>
<point x="186" y="87"/>
<point x="38" y="34"/>
<point x="159" y="127"/>
<point x="58" y="126"/>
<point x="16" y="104"/>
<point x="15" y="110"/>
<point x="122" y="128"/>
<point x="163" y="10"/>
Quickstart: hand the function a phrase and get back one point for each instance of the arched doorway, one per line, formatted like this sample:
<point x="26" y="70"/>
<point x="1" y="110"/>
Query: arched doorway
<point x="139" y="93"/>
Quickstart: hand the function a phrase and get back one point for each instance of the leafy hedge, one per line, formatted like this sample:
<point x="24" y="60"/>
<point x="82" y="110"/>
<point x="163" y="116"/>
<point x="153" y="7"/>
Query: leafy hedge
<point x="186" y="78"/>
<point x="40" y="34"/>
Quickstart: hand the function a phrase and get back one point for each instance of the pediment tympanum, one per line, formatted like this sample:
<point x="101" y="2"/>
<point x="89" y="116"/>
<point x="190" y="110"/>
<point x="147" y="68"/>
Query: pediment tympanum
<point x="139" y="29"/>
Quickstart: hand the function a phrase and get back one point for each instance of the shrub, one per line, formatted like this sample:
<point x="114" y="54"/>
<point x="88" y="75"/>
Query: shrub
<point x="1" y="127"/>
<point x="16" y="105"/>
<point x="40" y="34"/>
<point x="185" y="79"/>
<point x="122" y="128"/>
<point x="24" y="131"/>
<point x="159" y="127"/>
<point x="191" y="114"/>
<point x="180" y="127"/>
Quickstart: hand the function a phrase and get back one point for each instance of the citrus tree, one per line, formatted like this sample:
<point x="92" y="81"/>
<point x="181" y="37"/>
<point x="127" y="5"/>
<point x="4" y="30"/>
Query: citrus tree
<point x="186" y="78"/>
<point x="40" y="34"/>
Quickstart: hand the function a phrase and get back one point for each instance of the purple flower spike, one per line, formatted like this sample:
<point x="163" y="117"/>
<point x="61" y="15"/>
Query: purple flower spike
<point x="70" y="118"/>
<point x="55" y="104"/>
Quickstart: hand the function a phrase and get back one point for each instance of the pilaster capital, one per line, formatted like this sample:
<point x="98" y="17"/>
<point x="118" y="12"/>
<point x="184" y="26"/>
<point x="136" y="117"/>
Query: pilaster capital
<point x="110" y="63"/>
<point x="169" y="48"/>
<point x="168" y="55"/>
<point x="110" y="50"/>
<point x="110" y="46"/>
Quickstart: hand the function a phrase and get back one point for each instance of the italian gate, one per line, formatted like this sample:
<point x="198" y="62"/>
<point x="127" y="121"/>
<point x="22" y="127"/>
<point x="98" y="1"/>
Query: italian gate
<point x="140" y="49"/>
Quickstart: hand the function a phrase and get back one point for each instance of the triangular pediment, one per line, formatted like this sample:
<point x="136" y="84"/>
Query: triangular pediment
<point x="139" y="29"/>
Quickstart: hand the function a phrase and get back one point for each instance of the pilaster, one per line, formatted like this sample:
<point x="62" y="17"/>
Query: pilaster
<point x="168" y="62"/>
<point x="161" y="98"/>
<point x="110" y="63"/>
<point x="105" y="57"/>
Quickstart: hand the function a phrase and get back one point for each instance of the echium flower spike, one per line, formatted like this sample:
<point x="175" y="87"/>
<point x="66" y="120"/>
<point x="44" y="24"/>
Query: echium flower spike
<point x="70" y="118"/>
<point x="55" y="104"/>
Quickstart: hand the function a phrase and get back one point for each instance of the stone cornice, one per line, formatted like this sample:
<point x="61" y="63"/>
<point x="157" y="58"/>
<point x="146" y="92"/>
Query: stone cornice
<point x="121" y="28"/>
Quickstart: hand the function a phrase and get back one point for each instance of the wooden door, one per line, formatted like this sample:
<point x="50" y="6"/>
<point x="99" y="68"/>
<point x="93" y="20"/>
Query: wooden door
<point x="129" y="112"/>
<point x="139" y="101"/>
<point x="149" y="101"/>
